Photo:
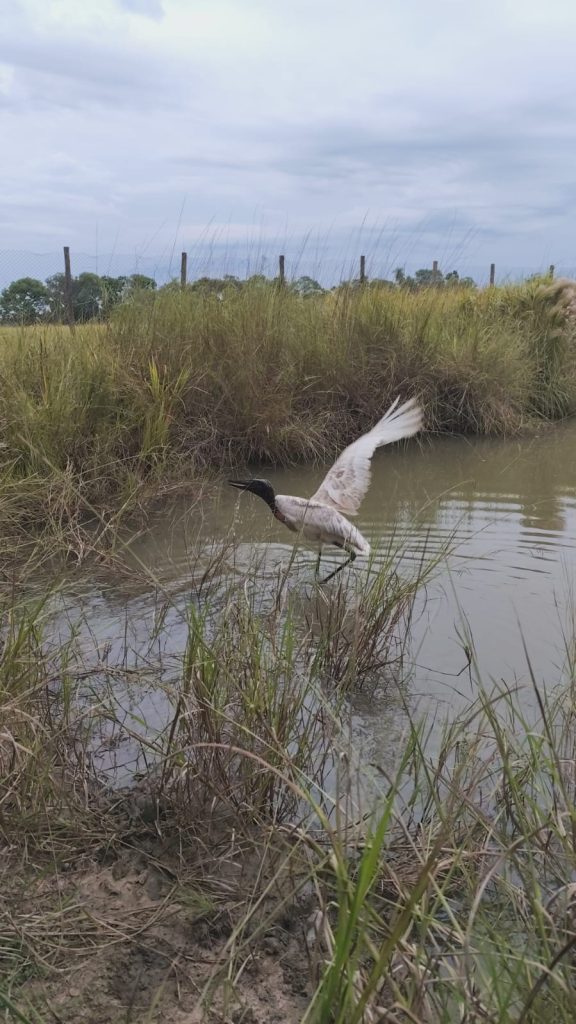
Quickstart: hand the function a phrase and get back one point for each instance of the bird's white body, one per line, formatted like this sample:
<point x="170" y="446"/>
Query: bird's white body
<point x="321" y="519"/>
<point x="319" y="524"/>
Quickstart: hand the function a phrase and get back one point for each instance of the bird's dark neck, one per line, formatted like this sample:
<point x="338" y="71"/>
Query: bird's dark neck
<point x="265" y="491"/>
<point x="270" y="500"/>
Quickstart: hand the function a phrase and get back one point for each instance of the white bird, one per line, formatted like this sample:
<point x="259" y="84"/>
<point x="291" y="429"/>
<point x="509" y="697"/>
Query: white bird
<point x="320" y="519"/>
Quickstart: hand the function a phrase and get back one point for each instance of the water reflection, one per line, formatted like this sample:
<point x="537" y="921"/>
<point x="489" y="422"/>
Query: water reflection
<point x="507" y="508"/>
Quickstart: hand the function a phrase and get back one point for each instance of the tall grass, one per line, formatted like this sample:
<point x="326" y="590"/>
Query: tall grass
<point x="434" y="885"/>
<point x="183" y="382"/>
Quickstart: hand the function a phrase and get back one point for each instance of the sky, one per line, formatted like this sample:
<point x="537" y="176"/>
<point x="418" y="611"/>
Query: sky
<point x="238" y="129"/>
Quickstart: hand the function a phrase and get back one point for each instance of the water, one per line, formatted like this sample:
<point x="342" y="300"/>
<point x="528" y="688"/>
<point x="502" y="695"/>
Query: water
<point x="507" y="508"/>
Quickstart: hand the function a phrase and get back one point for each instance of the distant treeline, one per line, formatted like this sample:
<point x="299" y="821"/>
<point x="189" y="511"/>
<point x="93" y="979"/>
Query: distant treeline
<point x="93" y="296"/>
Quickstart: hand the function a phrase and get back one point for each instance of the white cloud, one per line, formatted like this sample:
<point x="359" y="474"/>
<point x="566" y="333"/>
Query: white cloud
<point x="148" y="8"/>
<point x="448" y="125"/>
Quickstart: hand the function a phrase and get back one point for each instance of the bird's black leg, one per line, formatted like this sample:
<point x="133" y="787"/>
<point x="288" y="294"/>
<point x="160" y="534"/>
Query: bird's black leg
<point x="340" y="567"/>
<point x="317" y="569"/>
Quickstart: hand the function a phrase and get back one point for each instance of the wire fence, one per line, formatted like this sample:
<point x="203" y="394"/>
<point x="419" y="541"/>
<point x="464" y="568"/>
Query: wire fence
<point x="74" y="286"/>
<point x="209" y="261"/>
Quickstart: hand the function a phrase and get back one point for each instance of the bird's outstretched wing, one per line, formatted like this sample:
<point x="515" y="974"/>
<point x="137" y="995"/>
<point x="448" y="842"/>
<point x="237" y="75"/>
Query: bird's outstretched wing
<point x="346" y="483"/>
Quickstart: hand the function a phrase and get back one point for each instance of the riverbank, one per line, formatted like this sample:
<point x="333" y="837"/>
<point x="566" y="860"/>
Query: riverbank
<point x="181" y="385"/>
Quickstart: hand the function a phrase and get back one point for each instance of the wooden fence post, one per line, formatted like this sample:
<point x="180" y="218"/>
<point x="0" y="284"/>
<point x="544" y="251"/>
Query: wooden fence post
<point x="183" y="269"/>
<point x="551" y="271"/>
<point x="434" y="271"/>
<point x="68" y="289"/>
<point x="281" y="272"/>
<point x="492" y="274"/>
<point x="362" y="270"/>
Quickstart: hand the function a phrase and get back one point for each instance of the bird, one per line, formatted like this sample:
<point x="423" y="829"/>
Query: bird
<point x="321" y="519"/>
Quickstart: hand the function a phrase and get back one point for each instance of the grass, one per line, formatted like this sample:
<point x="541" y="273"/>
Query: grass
<point x="261" y="864"/>
<point x="181" y="384"/>
<point x="259" y="861"/>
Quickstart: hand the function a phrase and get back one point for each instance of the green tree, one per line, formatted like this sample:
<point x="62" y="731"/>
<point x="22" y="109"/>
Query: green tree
<point x="87" y="296"/>
<point x="25" y="301"/>
<point x="113" y="290"/>
<point x="347" y="286"/>
<point x="216" y="285"/>
<point x="212" y="285"/>
<point x="404" y="280"/>
<point x="306" y="286"/>
<point x="139" y="283"/>
<point x="426" y="278"/>
<point x="93" y="296"/>
<point x="55" y="286"/>
<point x="379" y="283"/>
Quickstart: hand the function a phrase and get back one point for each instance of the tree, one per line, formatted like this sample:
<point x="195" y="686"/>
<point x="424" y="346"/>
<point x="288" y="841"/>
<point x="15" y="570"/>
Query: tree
<point x="306" y="286"/>
<point x="347" y="286"/>
<point x="93" y="296"/>
<point x="214" y="285"/>
<point x="55" y="286"/>
<point x="454" y="280"/>
<point x="171" y="286"/>
<point x="87" y="296"/>
<point x="139" y="283"/>
<point x="113" y="290"/>
<point x="380" y="283"/>
<point x="25" y="301"/>
<point x="404" y="280"/>
<point x="426" y="278"/>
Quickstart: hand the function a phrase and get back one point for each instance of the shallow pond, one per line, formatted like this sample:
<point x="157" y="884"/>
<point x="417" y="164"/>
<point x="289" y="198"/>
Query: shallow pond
<point x="506" y="509"/>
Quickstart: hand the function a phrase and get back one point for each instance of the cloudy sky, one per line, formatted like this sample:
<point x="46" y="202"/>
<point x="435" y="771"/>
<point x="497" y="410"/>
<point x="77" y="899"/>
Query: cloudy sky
<point x="408" y="129"/>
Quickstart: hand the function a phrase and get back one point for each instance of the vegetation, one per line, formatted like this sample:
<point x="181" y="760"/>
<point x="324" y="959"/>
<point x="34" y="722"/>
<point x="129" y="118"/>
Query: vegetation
<point x="93" y="297"/>
<point x="427" y="278"/>
<point x="230" y="854"/>
<point x="178" y="383"/>
<point x="261" y="865"/>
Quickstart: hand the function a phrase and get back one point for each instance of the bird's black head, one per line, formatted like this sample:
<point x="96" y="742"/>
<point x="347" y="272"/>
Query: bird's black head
<point x="263" y="488"/>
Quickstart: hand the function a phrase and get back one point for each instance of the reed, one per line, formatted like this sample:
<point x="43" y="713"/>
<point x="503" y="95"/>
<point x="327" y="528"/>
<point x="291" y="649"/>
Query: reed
<point x="259" y="850"/>
<point x="183" y="383"/>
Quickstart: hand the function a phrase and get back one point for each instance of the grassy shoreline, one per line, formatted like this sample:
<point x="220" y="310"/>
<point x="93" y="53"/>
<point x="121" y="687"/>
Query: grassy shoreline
<point x="247" y="876"/>
<point x="242" y="878"/>
<point x="180" y="385"/>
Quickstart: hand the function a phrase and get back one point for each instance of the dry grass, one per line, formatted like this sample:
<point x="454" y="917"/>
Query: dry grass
<point x="181" y="383"/>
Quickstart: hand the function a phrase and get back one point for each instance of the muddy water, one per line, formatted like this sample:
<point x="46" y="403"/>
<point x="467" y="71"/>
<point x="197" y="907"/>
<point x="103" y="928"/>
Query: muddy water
<point x="506" y="509"/>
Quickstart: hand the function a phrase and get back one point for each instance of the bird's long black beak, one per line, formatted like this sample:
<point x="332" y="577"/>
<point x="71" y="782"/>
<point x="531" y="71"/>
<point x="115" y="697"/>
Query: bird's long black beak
<point x="242" y="485"/>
